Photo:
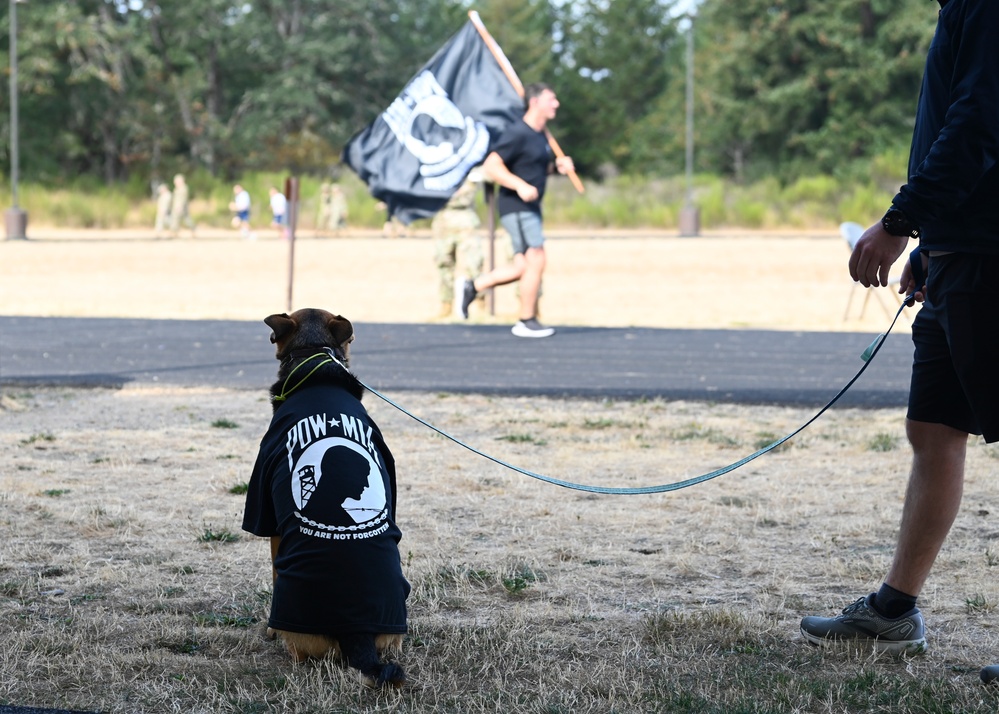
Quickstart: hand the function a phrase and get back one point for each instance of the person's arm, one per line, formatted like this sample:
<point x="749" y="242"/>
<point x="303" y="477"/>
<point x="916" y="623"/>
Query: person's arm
<point x="496" y="171"/>
<point x="876" y="251"/>
<point x="968" y="143"/>
<point x="564" y="165"/>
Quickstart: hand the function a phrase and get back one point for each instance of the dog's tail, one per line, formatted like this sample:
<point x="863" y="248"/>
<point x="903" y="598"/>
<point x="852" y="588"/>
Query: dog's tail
<point x="360" y="653"/>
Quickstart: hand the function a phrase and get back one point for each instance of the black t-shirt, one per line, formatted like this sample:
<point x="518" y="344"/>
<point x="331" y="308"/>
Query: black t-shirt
<point x="324" y="481"/>
<point x="527" y="154"/>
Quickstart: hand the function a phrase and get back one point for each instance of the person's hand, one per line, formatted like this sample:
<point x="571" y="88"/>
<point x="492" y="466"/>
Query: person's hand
<point x="874" y="255"/>
<point x="908" y="285"/>
<point x="564" y="165"/>
<point x="527" y="192"/>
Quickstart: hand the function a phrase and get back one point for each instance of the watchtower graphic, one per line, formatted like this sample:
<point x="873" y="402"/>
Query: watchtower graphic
<point x="307" y="482"/>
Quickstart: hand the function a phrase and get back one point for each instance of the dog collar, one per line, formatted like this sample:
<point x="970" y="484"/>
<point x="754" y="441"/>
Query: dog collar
<point x="313" y="352"/>
<point x="328" y="356"/>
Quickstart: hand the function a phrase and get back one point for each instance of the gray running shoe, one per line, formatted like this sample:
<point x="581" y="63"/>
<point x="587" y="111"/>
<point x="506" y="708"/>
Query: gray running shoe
<point x="468" y="294"/>
<point x="532" y="328"/>
<point x="861" y="623"/>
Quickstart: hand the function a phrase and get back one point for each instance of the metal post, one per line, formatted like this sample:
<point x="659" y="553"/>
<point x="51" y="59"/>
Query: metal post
<point x="490" y="189"/>
<point x="291" y="193"/>
<point x="690" y="215"/>
<point x="16" y="219"/>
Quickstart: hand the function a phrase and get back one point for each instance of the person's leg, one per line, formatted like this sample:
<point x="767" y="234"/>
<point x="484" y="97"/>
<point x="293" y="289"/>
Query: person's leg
<point x="530" y="282"/>
<point x="514" y="270"/>
<point x="932" y="500"/>
<point x="502" y="275"/>
<point x="940" y="416"/>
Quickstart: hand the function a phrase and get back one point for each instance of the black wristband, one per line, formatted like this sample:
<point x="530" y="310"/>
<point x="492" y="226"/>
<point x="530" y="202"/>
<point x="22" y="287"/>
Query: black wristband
<point x="895" y="223"/>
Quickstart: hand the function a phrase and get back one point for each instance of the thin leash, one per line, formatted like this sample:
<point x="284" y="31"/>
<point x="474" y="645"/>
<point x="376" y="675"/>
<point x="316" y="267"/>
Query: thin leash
<point x="869" y="354"/>
<point x="867" y="357"/>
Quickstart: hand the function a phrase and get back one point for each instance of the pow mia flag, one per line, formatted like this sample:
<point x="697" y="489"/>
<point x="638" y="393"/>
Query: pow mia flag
<point x="417" y="152"/>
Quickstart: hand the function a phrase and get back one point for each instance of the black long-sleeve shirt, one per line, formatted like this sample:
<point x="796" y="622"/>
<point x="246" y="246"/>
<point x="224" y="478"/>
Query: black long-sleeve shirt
<point x="952" y="193"/>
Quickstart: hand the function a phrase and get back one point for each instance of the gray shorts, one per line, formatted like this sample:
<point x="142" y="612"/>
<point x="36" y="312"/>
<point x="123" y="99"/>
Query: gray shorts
<point x="955" y="369"/>
<point x="524" y="229"/>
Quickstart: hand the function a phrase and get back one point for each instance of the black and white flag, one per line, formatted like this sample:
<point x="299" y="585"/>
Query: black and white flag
<point x="417" y="152"/>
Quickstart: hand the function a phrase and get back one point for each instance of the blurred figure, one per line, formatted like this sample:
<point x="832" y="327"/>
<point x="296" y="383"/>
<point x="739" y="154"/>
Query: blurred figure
<point x="163" y="200"/>
<point x="279" y="210"/>
<point x="179" y="206"/>
<point x="457" y="241"/>
<point x="390" y="229"/>
<point x="338" y="208"/>
<point x="393" y="227"/>
<point x="240" y="207"/>
<point x="332" y="209"/>
<point x="325" y="217"/>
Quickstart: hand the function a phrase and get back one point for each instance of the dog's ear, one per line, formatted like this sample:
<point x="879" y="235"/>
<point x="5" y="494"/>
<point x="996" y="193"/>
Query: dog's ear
<point x="281" y="324"/>
<point x="341" y="329"/>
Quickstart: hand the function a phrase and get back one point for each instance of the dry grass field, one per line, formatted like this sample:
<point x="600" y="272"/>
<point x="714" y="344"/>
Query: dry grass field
<point x="126" y="584"/>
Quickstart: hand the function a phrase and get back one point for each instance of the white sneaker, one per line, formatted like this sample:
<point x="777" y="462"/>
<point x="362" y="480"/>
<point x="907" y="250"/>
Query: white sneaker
<point x="532" y="328"/>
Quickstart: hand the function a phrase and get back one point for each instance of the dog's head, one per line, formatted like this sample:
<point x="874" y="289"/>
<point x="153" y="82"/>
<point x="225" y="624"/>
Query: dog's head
<point x="310" y="328"/>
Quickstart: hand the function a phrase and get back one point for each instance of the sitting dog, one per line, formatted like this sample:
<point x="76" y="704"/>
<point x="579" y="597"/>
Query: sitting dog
<point x="323" y="490"/>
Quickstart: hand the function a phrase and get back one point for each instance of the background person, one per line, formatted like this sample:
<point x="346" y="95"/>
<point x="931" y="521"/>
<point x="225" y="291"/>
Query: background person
<point x="240" y="206"/>
<point x="163" y="200"/>
<point x="325" y="215"/>
<point x="338" y="208"/>
<point x="520" y="164"/>
<point x="279" y="211"/>
<point x="180" y="206"/>
<point x="457" y="241"/>
<point x="332" y="209"/>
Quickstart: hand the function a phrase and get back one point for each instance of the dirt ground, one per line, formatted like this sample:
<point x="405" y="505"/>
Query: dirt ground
<point x="787" y="281"/>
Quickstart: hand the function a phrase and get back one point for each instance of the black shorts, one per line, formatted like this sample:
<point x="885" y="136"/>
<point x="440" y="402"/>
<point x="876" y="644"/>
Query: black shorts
<point x="955" y="368"/>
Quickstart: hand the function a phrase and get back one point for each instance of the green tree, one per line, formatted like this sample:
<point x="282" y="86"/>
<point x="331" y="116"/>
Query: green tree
<point x="113" y="90"/>
<point x="789" y="87"/>
<point x="328" y="69"/>
<point x="81" y="77"/>
<point x="525" y="30"/>
<point x="619" y="60"/>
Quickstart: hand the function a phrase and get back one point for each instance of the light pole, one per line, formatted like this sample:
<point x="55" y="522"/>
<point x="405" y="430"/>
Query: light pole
<point x="690" y="215"/>
<point x="16" y="219"/>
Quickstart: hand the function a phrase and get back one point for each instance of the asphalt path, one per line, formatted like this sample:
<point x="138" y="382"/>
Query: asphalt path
<point x="738" y="366"/>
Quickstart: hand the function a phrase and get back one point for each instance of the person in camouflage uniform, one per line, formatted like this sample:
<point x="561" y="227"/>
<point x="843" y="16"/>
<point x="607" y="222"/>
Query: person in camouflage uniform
<point x="180" y="207"/>
<point x="163" y="200"/>
<point x="332" y="209"/>
<point x="457" y="242"/>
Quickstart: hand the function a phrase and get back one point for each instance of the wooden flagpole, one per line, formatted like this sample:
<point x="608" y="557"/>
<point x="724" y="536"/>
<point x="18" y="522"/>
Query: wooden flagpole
<point x="511" y="75"/>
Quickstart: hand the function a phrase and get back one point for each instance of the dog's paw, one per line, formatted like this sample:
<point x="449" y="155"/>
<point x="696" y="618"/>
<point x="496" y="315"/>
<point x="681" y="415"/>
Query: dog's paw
<point x="392" y="674"/>
<point x="271" y="633"/>
<point x="389" y="675"/>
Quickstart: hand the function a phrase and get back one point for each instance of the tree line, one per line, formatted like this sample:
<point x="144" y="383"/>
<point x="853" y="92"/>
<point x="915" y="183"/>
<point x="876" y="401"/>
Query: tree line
<point x="115" y="90"/>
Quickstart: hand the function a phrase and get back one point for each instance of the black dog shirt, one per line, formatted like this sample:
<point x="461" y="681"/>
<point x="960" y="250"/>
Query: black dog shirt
<point x="324" y="481"/>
